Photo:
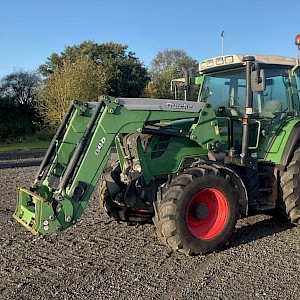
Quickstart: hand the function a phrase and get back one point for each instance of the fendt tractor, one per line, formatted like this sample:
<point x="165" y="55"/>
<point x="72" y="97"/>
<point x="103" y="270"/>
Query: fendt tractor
<point x="190" y="167"/>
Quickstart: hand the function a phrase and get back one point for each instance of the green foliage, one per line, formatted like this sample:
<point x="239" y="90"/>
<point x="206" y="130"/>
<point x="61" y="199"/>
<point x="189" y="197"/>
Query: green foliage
<point x="149" y="91"/>
<point x="82" y="79"/>
<point x="85" y="72"/>
<point x="124" y="74"/>
<point x="166" y="66"/>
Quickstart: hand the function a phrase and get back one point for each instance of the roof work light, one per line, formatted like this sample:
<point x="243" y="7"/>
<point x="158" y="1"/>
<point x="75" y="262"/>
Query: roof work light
<point x="297" y="41"/>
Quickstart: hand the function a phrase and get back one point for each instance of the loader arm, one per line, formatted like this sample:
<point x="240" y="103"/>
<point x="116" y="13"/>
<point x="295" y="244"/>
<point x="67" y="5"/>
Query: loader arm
<point x="81" y="148"/>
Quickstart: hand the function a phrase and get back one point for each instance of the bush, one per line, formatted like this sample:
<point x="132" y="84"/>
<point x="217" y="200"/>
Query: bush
<point x="16" y="120"/>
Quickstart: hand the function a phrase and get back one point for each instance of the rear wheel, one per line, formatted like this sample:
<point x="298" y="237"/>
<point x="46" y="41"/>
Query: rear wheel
<point x="290" y="184"/>
<point x="197" y="213"/>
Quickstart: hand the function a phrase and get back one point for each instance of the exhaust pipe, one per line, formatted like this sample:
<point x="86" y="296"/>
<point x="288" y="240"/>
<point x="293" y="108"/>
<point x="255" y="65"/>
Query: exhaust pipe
<point x="186" y="83"/>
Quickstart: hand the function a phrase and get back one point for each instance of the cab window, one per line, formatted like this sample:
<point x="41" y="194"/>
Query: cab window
<point x="275" y="98"/>
<point x="225" y="90"/>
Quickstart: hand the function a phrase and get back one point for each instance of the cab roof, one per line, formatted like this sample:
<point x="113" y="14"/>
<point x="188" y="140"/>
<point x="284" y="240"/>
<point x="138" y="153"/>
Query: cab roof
<point x="229" y="61"/>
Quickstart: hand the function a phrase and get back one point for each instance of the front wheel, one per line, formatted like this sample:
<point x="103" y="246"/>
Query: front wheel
<point x="198" y="211"/>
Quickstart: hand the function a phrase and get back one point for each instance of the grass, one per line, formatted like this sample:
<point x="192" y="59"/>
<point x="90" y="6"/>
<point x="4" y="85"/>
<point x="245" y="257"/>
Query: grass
<point x="42" y="144"/>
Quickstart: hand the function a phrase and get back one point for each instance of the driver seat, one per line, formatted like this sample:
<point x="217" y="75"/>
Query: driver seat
<point x="270" y="108"/>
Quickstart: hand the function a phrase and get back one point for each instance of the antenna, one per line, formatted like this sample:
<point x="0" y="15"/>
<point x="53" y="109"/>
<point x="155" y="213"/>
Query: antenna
<point x="222" y="36"/>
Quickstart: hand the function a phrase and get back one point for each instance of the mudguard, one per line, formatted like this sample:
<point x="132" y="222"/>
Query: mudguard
<point x="284" y="143"/>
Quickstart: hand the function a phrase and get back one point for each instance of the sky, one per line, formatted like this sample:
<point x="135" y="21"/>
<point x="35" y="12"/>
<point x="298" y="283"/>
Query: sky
<point x="31" y="30"/>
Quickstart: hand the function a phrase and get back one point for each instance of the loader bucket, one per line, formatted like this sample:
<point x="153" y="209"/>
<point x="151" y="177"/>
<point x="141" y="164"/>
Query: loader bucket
<point x="34" y="212"/>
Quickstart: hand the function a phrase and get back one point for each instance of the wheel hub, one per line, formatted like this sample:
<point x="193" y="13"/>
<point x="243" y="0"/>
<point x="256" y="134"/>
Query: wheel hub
<point x="207" y="214"/>
<point x="201" y="210"/>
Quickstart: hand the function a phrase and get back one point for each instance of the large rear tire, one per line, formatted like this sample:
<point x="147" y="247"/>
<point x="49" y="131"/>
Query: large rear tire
<point x="290" y="184"/>
<point x="198" y="211"/>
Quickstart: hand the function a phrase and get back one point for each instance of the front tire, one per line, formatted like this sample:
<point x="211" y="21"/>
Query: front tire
<point x="117" y="209"/>
<point x="106" y="202"/>
<point x="198" y="211"/>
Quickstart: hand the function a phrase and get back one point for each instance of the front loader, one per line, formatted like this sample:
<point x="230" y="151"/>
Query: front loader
<point x="191" y="167"/>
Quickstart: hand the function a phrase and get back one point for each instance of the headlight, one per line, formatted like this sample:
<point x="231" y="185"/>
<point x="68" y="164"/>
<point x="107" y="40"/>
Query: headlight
<point x="228" y="59"/>
<point x="219" y="61"/>
<point x="210" y="63"/>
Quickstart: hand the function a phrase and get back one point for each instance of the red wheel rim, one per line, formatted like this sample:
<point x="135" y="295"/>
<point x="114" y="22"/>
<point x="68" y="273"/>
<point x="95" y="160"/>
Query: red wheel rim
<point x="207" y="213"/>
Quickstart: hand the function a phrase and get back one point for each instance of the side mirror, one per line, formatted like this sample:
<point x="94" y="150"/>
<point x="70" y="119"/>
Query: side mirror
<point x="258" y="80"/>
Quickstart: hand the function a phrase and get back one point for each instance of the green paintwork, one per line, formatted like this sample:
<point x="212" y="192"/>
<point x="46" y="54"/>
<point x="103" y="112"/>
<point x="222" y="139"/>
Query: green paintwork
<point x="272" y="147"/>
<point x="37" y="215"/>
<point x="169" y="162"/>
<point x="206" y="130"/>
<point x="224" y="124"/>
<point x="197" y="80"/>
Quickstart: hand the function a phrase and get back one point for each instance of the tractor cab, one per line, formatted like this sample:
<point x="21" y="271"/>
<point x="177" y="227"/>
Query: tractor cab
<point x="264" y="97"/>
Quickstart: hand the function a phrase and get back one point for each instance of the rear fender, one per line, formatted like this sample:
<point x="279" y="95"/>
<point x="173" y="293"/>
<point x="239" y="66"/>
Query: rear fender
<point x="284" y="142"/>
<point x="290" y="146"/>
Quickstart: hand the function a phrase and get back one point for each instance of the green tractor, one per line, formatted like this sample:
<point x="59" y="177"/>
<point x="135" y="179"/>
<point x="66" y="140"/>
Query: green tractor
<point x="190" y="167"/>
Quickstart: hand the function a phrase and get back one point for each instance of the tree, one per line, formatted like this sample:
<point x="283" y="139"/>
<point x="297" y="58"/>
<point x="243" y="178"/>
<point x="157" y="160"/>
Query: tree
<point x="167" y="65"/>
<point x="20" y="86"/>
<point x="124" y="73"/>
<point x="149" y="91"/>
<point x="82" y="79"/>
<point x="17" y="97"/>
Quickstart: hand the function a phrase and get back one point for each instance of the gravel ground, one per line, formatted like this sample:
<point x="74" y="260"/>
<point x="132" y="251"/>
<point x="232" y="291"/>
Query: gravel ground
<point x="100" y="259"/>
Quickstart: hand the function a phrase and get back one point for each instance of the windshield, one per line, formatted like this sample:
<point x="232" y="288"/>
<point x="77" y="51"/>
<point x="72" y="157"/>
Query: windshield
<point x="226" y="91"/>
